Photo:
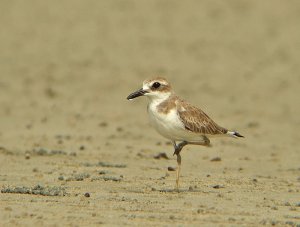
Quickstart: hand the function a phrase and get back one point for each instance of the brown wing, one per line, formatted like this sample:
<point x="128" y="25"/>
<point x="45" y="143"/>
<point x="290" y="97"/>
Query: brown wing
<point x="195" y="120"/>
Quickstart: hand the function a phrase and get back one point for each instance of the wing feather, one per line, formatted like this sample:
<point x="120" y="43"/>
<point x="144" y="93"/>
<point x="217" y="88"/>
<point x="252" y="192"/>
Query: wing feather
<point x="195" y="120"/>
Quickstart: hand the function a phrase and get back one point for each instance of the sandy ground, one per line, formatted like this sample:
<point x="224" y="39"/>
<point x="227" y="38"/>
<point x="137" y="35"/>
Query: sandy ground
<point x="75" y="152"/>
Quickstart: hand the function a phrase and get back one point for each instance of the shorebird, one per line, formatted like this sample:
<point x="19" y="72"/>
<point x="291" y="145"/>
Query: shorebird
<point x="178" y="120"/>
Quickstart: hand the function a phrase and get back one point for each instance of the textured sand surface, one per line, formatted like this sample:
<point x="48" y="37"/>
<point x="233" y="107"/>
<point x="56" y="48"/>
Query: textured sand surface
<point x="77" y="153"/>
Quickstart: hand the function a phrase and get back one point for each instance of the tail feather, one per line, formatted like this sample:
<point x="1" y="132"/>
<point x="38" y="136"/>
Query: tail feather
<point x="234" y="134"/>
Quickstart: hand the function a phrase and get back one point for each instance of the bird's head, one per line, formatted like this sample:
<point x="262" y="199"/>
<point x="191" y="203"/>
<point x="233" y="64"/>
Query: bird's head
<point x="155" y="89"/>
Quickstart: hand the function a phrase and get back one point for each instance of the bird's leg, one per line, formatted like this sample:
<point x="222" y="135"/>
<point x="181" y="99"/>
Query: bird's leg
<point x="177" y="149"/>
<point x="178" y="170"/>
<point x="200" y="143"/>
<point x="205" y="142"/>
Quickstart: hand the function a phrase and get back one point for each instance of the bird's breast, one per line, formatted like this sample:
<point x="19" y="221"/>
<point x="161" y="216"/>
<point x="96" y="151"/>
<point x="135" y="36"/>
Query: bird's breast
<point x="167" y="124"/>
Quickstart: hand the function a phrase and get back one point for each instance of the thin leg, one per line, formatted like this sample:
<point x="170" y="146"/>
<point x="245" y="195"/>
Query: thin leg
<point x="178" y="170"/>
<point x="205" y="142"/>
<point x="177" y="149"/>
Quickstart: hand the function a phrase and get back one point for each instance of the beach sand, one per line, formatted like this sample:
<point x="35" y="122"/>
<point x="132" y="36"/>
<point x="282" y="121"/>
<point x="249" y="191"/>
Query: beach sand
<point x="75" y="152"/>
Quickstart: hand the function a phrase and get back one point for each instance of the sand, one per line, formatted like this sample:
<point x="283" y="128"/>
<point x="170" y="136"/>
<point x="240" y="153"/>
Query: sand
<point x="75" y="152"/>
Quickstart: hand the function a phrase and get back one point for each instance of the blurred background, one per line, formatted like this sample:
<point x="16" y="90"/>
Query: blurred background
<point x="67" y="66"/>
<point x="60" y="58"/>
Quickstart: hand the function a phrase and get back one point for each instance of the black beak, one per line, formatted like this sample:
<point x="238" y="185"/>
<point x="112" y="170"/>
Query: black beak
<point x="136" y="94"/>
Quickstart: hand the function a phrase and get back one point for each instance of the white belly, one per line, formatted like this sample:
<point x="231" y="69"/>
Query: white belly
<point x="170" y="126"/>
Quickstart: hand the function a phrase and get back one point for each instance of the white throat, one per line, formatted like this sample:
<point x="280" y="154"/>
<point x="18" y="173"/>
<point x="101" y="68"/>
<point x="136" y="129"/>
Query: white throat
<point x="157" y="98"/>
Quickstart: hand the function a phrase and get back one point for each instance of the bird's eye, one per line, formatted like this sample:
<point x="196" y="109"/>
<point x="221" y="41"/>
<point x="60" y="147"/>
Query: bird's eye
<point x="156" y="85"/>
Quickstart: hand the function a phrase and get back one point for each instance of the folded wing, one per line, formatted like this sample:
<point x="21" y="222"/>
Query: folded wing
<point x="195" y="120"/>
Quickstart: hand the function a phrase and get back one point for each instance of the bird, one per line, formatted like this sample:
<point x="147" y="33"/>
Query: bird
<point x="177" y="120"/>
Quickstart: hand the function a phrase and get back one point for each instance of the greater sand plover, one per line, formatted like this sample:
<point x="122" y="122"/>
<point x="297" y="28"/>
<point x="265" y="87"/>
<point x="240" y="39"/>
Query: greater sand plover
<point x="176" y="119"/>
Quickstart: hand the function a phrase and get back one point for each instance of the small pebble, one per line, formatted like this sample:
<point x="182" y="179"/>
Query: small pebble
<point x="60" y="142"/>
<point x="102" y="172"/>
<point x="81" y="148"/>
<point x="172" y="217"/>
<point x="103" y="124"/>
<point x="73" y="154"/>
<point x="27" y="156"/>
<point x="87" y="194"/>
<point x="119" y="129"/>
<point x="218" y="186"/>
<point x="170" y="168"/>
<point x="216" y="159"/>
<point x="199" y="211"/>
<point x="161" y="155"/>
